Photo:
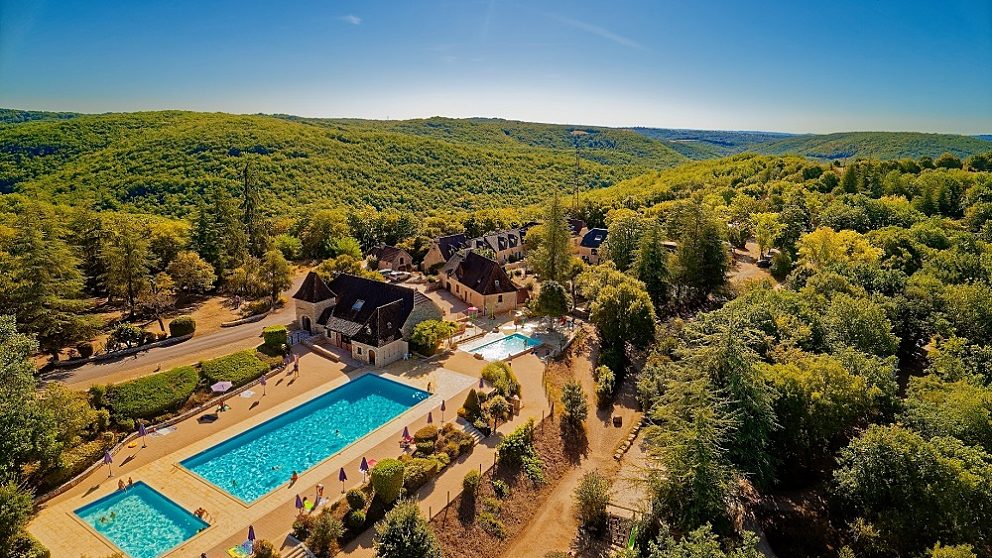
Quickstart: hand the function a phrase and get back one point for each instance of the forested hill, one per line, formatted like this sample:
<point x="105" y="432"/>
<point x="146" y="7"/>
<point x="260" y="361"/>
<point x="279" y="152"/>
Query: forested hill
<point x="874" y="145"/>
<point x="706" y="144"/>
<point x="160" y="162"/>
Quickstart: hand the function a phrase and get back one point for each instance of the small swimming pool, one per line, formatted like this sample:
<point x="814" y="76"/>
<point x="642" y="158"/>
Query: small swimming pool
<point x="140" y="521"/>
<point x="504" y="348"/>
<point x="257" y="461"/>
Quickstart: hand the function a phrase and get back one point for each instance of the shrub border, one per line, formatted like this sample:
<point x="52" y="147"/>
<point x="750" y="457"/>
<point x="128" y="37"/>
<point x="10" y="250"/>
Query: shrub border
<point x="134" y="435"/>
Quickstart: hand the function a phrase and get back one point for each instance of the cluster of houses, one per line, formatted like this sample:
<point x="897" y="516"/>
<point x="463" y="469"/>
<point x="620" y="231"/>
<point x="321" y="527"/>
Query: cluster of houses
<point x="373" y="320"/>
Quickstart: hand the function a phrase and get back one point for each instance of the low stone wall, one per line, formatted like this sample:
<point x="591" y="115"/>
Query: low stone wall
<point x="242" y="321"/>
<point x="134" y="435"/>
<point x="124" y="353"/>
<point x="329" y="355"/>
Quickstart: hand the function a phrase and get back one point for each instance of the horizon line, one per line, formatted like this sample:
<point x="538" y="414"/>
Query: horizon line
<point x="508" y="119"/>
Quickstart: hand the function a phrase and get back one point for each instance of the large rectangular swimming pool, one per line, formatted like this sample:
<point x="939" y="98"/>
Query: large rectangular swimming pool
<point x="257" y="461"/>
<point x="140" y="521"/>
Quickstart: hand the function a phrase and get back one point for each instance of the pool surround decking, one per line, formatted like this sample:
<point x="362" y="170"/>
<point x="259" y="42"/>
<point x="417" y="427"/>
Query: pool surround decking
<point x="67" y="537"/>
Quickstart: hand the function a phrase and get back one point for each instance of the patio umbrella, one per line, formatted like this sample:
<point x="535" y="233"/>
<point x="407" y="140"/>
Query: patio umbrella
<point x="442" y="410"/>
<point x="221" y="387"/>
<point x="364" y="467"/>
<point x="406" y="433"/>
<point x="262" y="382"/>
<point x="109" y="460"/>
<point x="299" y="502"/>
<point x="430" y="417"/>
<point x="481" y="383"/>
<point x="142" y="433"/>
<point x="251" y="533"/>
<point x="342" y="476"/>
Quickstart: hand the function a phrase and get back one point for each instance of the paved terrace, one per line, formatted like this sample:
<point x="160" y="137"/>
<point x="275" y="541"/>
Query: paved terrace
<point x="66" y="536"/>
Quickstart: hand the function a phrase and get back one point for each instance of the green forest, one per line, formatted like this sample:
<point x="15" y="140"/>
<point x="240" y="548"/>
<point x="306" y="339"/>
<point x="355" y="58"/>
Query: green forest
<point x="163" y="162"/>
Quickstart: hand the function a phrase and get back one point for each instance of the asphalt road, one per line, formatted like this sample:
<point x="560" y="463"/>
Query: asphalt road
<point x="198" y="348"/>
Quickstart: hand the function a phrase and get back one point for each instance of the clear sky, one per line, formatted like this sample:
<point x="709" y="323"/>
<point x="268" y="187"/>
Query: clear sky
<point x="792" y="65"/>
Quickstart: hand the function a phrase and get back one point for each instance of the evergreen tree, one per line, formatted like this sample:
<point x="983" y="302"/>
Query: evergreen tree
<point x="127" y="258"/>
<point x="553" y="301"/>
<point x="726" y="356"/>
<point x="694" y="482"/>
<point x="552" y="259"/>
<point x="651" y="266"/>
<point x="217" y="233"/>
<point x="701" y="260"/>
<point x="624" y="226"/>
<point x="41" y="284"/>
<point x="796" y="222"/>
<point x="251" y="218"/>
<point x="276" y="275"/>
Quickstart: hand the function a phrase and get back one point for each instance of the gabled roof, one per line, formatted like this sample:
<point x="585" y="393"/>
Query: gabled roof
<point x="593" y="238"/>
<point x="450" y="244"/>
<point x="371" y="312"/>
<point x="313" y="289"/>
<point x="576" y="226"/>
<point x="480" y="274"/>
<point x="388" y="253"/>
<point x="499" y="241"/>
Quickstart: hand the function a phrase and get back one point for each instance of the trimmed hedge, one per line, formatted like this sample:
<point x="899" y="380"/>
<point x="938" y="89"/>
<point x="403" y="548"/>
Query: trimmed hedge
<point x="183" y="325"/>
<point x="387" y="479"/>
<point x="238" y="368"/>
<point x="151" y="396"/>
<point x="275" y="336"/>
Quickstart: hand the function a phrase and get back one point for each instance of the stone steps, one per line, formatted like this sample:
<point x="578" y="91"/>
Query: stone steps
<point x="469" y="429"/>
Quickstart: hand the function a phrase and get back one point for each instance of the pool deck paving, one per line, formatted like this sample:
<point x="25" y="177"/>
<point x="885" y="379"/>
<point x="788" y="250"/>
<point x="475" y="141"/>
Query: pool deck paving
<point x="158" y="465"/>
<point x="433" y="497"/>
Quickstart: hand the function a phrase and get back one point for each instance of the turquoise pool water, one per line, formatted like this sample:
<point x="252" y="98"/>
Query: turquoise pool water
<point x="140" y="521"/>
<point x="505" y="347"/>
<point x="257" y="461"/>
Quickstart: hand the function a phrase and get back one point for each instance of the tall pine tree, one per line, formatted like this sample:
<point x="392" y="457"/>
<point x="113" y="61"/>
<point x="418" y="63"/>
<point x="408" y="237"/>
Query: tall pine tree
<point x="40" y="281"/>
<point x="553" y="258"/>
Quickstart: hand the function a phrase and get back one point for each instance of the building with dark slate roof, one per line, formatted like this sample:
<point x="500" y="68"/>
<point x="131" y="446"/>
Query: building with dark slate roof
<point x="482" y="283"/>
<point x="371" y="319"/>
<point x="441" y="250"/>
<point x="590" y="246"/>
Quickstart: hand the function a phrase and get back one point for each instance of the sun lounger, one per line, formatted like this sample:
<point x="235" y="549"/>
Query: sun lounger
<point x="243" y="550"/>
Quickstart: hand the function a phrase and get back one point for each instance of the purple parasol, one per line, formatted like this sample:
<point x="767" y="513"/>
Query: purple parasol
<point x="364" y="467"/>
<point x="481" y="384"/>
<point x="142" y="433"/>
<point x="342" y="476"/>
<point x="107" y="458"/>
<point x="430" y="417"/>
<point x="406" y="432"/>
<point x="299" y="502"/>
<point x="221" y="387"/>
<point x="442" y="406"/>
<point x="251" y="533"/>
<point x="262" y="381"/>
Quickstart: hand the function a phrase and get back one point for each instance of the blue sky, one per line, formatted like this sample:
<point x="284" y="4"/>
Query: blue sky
<point x="788" y="66"/>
